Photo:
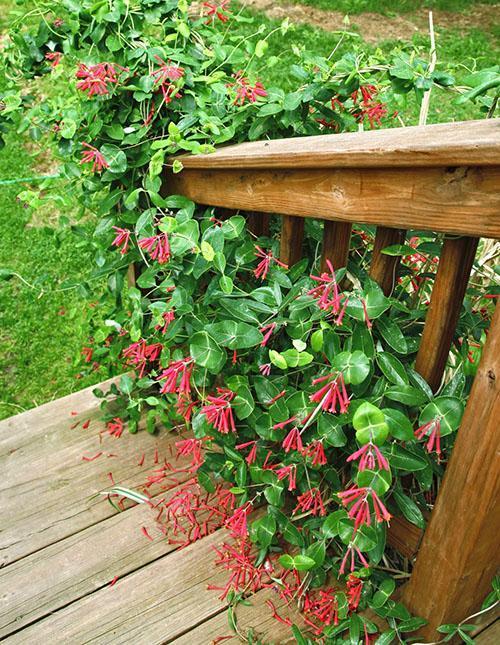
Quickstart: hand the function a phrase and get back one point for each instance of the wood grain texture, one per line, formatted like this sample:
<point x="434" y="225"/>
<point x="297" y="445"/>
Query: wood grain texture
<point x="455" y="264"/>
<point x="383" y="268"/>
<point x="258" y="223"/>
<point x="336" y="243"/>
<point x="77" y="566"/>
<point x="463" y="200"/>
<point x="404" y="537"/>
<point x="50" y="491"/>
<point x="292" y="234"/>
<point x="450" y="144"/>
<point x="459" y="553"/>
<point x="153" y="605"/>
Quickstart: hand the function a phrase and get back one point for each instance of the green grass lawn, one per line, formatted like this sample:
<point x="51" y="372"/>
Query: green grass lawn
<point x="42" y="329"/>
<point x="389" y="7"/>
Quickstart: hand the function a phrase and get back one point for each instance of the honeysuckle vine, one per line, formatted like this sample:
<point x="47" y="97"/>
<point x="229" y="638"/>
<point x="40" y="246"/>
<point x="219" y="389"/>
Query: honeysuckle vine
<point x="303" y="427"/>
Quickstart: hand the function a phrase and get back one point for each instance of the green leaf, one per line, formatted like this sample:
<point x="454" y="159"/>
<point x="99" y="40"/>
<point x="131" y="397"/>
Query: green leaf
<point x="261" y="48"/>
<point x="370" y="424"/>
<point x="403" y="459"/>
<point x="409" y="509"/>
<point x="265" y="528"/>
<point x="355" y="366"/>
<point x="115" y="157"/>
<point x="234" y="335"/>
<point x="298" y="562"/>
<point x="226" y="284"/>
<point x="278" y="359"/>
<point x="317" y="551"/>
<point x="448" y="409"/>
<point x="379" y="480"/>
<point x="330" y="429"/>
<point x="126" y="384"/>
<point x="331" y="525"/>
<point x="206" y="352"/>
<point x="384" y="592"/>
<point x="406" y="394"/>
<point x="207" y="250"/>
<point x="392" y="335"/>
<point x="392" y="368"/>
<point x="400" y="426"/>
<point x="375" y="301"/>
<point x="386" y="638"/>
<point x="295" y="358"/>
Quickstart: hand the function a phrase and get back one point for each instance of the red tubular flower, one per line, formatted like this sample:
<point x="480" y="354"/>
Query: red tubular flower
<point x="283" y="424"/>
<point x="166" y="72"/>
<point x="96" y="79"/>
<point x="354" y="588"/>
<point x="265" y="369"/>
<point x="292" y="441"/>
<point x="122" y="239"/>
<point x="322" y="605"/>
<point x="115" y="427"/>
<point x="369" y="457"/>
<point x="139" y="353"/>
<point x="331" y="395"/>
<point x="252" y="455"/>
<point x="168" y="318"/>
<point x="268" y="331"/>
<point x="290" y="472"/>
<point x="93" y="156"/>
<point x="310" y="501"/>
<point x="157" y="246"/>
<point x="245" y="91"/>
<point x="192" y="447"/>
<point x="352" y="551"/>
<point x="432" y="431"/>
<point x="360" y="509"/>
<point x="217" y="10"/>
<point x="316" y="451"/>
<point x="184" y="407"/>
<point x="237" y="523"/>
<point x="263" y="267"/>
<point x="54" y="57"/>
<point x="171" y="374"/>
<point x="87" y="354"/>
<point x="219" y="412"/>
<point x="365" y="313"/>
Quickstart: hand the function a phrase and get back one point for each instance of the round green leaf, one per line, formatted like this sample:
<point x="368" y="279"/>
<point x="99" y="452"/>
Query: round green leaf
<point x="206" y="352"/>
<point x="448" y="409"/>
<point x="399" y="424"/>
<point x="355" y="366"/>
<point x="277" y="359"/>
<point x="370" y="424"/>
<point x="234" y="335"/>
<point x="298" y="562"/>
<point x="375" y="301"/>
<point x="379" y="480"/>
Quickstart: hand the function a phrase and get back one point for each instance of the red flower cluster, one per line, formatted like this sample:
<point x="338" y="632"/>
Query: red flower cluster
<point x="360" y="509"/>
<point x="432" y="432"/>
<point x="328" y="295"/>
<point x="157" y="246"/>
<point x="93" y="156"/>
<point x="369" y="457"/>
<point x="217" y="10"/>
<point x="332" y="395"/>
<point x="54" y="57"/>
<point x="368" y="107"/>
<point x="165" y="77"/>
<point x="122" y="239"/>
<point x="245" y="91"/>
<point x="140" y="353"/>
<point x="177" y="369"/>
<point x="219" y="412"/>
<point x="97" y="79"/>
<point x="262" y="268"/>
<point x="310" y="501"/>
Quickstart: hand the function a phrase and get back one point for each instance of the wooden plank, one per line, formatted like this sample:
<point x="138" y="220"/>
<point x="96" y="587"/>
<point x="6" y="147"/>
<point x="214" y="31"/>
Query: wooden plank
<point x="20" y="430"/>
<point x="77" y="566"/>
<point x="51" y="489"/>
<point x="455" y="264"/>
<point x="383" y="268"/>
<point x="459" y="552"/>
<point x="404" y="537"/>
<point x="258" y="223"/>
<point x="451" y="200"/>
<point x="450" y="144"/>
<point x="490" y="636"/>
<point x="336" y="243"/>
<point x="292" y="234"/>
<point x="153" y="605"/>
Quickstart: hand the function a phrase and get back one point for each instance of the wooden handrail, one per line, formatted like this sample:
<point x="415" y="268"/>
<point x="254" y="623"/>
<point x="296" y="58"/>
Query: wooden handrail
<point x="451" y="144"/>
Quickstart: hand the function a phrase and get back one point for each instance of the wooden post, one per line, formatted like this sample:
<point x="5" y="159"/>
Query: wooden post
<point x="292" y="234"/>
<point x="383" y="267"/>
<point x="459" y="554"/>
<point x="455" y="264"/>
<point x="258" y="223"/>
<point x="336" y="243"/>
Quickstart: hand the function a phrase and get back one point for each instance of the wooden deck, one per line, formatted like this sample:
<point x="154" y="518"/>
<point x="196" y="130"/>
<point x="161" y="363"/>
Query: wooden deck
<point x="62" y="544"/>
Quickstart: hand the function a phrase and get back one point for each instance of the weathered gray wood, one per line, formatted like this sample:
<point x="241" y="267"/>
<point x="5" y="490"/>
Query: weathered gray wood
<point x="153" y="605"/>
<point x="449" y="144"/>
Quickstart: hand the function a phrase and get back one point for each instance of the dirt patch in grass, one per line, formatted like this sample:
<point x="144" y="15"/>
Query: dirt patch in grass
<point x="374" y="27"/>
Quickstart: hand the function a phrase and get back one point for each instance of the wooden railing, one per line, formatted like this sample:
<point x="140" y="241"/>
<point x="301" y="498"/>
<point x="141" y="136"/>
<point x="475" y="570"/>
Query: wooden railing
<point x="441" y="178"/>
